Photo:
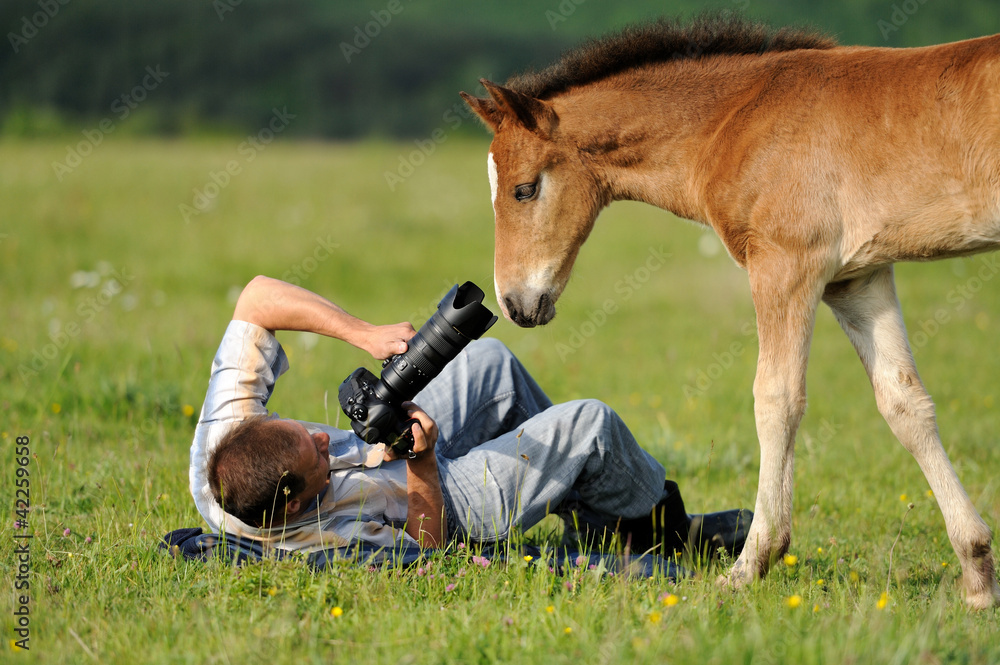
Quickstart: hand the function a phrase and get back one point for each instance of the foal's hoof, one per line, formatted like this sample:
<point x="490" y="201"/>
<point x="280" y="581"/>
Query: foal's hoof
<point x="983" y="599"/>
<point x="736" y="578"/>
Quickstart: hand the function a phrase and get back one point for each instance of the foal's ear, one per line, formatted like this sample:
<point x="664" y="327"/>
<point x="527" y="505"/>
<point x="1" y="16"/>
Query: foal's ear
<point x="485" y="109"/>
<point x="533" y="114"/>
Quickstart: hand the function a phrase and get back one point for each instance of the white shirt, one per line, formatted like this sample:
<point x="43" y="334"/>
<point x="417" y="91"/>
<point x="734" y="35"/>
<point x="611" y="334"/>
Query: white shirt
<point x="366" y="498"/>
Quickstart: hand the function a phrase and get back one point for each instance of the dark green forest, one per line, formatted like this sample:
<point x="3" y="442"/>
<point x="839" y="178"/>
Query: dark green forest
<point x="348" y="69"/>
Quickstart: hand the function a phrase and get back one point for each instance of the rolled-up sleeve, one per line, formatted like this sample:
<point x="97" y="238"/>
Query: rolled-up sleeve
<point x="247" y="364"/>
<point x="245" y="368"/>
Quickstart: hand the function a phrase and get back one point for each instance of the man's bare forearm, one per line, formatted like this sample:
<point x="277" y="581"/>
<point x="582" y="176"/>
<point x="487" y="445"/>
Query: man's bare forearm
<point x="277" y="305"/>
<point x="425" y="503"/>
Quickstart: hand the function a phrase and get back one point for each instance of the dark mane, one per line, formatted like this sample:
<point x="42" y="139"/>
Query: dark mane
<point x="659" y="41"/>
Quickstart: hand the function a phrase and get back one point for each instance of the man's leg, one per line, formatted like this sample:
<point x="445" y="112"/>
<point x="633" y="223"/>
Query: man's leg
<point x="516" y="478"/>
<point x="481" y="394"/>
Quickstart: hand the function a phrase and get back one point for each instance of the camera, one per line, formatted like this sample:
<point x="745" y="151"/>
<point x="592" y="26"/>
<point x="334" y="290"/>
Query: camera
<point x="373" y="403"/>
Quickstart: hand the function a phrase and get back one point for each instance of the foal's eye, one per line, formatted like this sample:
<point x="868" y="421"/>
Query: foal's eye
<point x="525" y="192"/>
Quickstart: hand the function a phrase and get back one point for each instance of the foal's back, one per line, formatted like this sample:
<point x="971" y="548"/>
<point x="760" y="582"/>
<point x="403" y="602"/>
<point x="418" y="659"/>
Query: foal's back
<point x="904" y="145"/>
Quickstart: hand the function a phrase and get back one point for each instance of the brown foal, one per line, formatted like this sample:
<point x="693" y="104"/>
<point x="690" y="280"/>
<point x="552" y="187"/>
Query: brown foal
<point x="818" y="166"/>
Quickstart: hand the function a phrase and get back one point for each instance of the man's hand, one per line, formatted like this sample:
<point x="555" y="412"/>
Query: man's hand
<point x="425" y="433"/>
<point x="390" y="340"/>
<point x="425" y="430"/>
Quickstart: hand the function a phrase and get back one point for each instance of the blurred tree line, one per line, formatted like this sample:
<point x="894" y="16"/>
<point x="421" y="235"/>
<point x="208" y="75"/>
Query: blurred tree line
<point x="347" y="68"/>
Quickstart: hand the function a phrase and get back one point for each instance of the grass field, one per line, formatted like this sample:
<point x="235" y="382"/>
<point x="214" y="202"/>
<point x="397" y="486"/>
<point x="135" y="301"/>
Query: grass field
<point x="105" y="381"/>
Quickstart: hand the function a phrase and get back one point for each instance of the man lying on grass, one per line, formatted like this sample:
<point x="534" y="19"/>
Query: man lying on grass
<point x="492" y="453"/>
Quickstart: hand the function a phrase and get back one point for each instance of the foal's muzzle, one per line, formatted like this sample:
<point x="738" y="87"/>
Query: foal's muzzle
<point x="529" y="311"/>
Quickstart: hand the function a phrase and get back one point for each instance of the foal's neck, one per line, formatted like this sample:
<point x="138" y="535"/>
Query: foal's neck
<point x="644" y="133"/>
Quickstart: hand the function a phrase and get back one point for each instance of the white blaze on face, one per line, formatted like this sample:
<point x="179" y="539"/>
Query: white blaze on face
<point x="491" y="169"/>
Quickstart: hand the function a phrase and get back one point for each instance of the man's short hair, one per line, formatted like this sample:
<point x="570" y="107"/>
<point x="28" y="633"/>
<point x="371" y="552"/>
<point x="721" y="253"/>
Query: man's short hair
<point x="251" y="469"/>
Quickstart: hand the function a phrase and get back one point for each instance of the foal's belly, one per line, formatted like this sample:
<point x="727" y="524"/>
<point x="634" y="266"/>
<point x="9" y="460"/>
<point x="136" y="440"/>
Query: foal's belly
<point x="922" y="238"/>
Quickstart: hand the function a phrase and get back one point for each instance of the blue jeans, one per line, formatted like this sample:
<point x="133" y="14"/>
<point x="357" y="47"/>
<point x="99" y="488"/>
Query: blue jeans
<point x="507" y="456"/>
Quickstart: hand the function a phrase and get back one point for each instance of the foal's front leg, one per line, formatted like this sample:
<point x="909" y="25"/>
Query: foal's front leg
<point x="786" y="308"/>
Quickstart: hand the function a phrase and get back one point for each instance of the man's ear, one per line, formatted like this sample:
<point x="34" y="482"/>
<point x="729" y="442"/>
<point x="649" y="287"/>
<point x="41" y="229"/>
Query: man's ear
<point x="485" y="109"/>
<point x="533" y="114"/>
<point x="293" y="507"/>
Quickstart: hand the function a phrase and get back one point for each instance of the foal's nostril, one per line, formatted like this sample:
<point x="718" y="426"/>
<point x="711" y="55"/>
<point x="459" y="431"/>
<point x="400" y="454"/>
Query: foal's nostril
<point x="511" y="309"/>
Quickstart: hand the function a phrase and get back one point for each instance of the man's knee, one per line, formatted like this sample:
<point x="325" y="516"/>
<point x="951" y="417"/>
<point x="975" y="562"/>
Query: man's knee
<point x="490" y="346"/>
<point x="488" y="352"/>
<point x="589" y="412"/>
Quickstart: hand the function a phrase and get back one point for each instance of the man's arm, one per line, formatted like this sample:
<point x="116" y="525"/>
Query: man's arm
<point x="425" y="521"/>
<point x="276" y="305"/>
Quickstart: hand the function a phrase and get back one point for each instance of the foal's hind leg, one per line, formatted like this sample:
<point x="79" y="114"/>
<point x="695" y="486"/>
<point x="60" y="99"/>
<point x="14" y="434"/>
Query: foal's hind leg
<point x="869" y="312"/>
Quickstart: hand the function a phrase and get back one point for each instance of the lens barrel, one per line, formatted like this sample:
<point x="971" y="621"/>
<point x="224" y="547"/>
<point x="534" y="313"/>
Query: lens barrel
<point x="374" y="406"/>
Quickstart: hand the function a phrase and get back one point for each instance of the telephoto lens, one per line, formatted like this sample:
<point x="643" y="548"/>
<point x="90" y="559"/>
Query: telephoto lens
<point x="373" y="404"/>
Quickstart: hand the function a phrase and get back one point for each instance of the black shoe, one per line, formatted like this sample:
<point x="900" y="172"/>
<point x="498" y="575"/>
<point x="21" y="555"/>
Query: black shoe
<point x="662" y="531"/>
<point x="709" y="533"/>
<point x="667" y="532"/>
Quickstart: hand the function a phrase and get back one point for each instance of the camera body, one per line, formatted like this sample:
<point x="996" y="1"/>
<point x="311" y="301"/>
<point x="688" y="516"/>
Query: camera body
<point x="373" y="403"/>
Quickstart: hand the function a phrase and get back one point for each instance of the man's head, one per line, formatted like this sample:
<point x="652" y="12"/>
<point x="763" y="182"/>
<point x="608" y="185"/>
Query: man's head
<point x="264" y="468"/>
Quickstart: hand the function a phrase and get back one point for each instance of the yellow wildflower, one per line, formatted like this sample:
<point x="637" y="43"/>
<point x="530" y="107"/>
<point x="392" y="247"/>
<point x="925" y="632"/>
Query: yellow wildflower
<point x="567" y="630"/>
<point x="273" y="591"/>
<point x="187" y="410"/>
<point x="793" y="601"/>
<point x="56" y="407"/>
<point x="670" y="600"/>
<point x="903" y="497"/>
<point x="655" y="617"/>
<point x="791" y="560"/>
<point x="550" y="609"/>
<point x="528" y="558"/>
<point x="336" y="611"/>
<point x="883" y="600"/>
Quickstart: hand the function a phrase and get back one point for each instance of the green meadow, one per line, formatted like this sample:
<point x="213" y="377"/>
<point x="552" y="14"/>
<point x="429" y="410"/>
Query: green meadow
<point x="119" y="276"/>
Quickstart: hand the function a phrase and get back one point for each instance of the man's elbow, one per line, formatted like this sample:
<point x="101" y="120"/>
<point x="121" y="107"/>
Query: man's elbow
<point x="258" y="283"/>
<point x="246" y="304"/>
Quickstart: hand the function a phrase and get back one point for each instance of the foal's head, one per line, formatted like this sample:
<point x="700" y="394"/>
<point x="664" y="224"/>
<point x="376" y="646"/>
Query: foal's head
<point x="545" y="200"/>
